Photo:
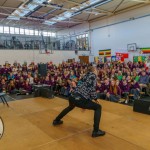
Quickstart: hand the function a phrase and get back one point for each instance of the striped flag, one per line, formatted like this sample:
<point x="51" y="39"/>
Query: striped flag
<point x="105" y="53"/>
<point x="145" y="50"/>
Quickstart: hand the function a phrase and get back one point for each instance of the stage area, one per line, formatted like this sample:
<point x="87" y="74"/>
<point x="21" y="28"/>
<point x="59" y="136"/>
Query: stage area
<point x="28" y="127"/>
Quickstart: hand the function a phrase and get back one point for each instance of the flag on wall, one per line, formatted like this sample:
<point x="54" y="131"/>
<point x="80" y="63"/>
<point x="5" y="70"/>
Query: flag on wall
<point x="124" y="55"/>
<point x="139" y="58"/>
<point x="113" y="58"/>
<point x="145" y="50"/>
<point x="105" y="53"/>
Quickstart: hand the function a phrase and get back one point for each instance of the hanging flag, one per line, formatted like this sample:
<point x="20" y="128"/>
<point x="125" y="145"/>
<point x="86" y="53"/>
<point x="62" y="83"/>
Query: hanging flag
<point x="125" y="55"/>
<point x="105" y="53"/>
<point x="139" y="58"/>
<point x="135" y="59"/>
<point x="145" y="50"/>
<point x="113" y="58"/>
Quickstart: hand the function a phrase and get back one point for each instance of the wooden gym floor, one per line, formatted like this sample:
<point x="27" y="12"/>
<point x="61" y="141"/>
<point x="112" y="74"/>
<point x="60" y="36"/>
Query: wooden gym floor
<point x="28" y="127"/>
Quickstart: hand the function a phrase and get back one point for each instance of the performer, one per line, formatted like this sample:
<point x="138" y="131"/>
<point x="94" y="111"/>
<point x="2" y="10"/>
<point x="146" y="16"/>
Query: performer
<point x="82" y="97"/>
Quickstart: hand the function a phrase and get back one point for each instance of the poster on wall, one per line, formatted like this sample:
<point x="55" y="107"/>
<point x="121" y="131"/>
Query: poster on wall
<point x="96" y="59"/>
<point x="101" y="59"/>
<point x="113" y="58"/>
<point x="105" y="53"/>
<point x="119" y="59"/>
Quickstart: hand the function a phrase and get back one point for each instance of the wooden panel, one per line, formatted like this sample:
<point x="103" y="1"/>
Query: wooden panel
<point x="28" y="125"/>
<point x="84" y="59"/>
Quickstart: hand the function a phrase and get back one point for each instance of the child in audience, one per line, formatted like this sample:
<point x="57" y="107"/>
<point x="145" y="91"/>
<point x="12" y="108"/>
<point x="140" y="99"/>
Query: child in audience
<point x="100" y="90"/>
<point x="114" y="93"/>
<point x="125" y="89"/>
<point x="135" y="89"/>
<point x="11" y="89"/>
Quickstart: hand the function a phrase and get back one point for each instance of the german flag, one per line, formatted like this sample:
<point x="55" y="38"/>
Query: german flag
<point x="105" y="53"/>
<point x="145" y="50"/>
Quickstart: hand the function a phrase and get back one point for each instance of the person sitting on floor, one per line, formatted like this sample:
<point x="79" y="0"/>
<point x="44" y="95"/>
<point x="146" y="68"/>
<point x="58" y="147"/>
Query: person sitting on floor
<point x="144" y="80"/>
<point x="114" y="93"/>
<point x="100" y="90"/>
<point x="135" y="89"/>
<point x="11" y="89"/>
<point x="125" y="89"/>
<point x="27" y="88"/>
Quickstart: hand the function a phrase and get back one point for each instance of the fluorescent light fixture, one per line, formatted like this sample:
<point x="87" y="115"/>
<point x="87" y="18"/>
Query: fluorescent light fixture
<point x="25" y="9"/>
<point x="47" y="22"/>
<point x="13" y="17"/>
<point x="102" y="3"/>
<point x="79" y="9"/>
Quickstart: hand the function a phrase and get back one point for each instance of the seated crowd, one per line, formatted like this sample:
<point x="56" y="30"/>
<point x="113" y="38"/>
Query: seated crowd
<point x="115" y="80"/>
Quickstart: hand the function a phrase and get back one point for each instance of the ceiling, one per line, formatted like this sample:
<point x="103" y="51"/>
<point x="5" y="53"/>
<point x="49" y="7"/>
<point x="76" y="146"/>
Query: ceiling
<point x="60" y="14"/>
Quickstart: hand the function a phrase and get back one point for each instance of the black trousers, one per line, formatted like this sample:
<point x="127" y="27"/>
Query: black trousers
<point x="85" y="104"/>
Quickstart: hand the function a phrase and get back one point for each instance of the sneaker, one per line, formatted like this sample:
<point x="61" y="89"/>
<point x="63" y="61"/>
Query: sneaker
<point x="57" y="122"/>
<point x="98" y="133"/>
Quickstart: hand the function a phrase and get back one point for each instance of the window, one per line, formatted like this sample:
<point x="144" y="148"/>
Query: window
<point x="21" y="31"/>
<point x="27" y="32"/>
<point x="49" y="33"/>
<point x="53" y="34"/>
<point x="6" y="29"/>
<point x="44" y="33"/>
<point x="82" y="42"/>
<point x="31" y="32"/>
<point x="17" y="31"/>
<point x="1" y="29"/>
<point x="36" y="32"/>
<point x="12" y="30"/>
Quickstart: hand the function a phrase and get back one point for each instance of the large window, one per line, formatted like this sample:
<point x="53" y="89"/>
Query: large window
<point x="21" y="31"/>
<point x="82" y="42"/>
<point x="31" y="32"/>
<point x="15" y="30"/>
<point x="6" y="29"/>
<point x="12" y="30"/>
<point x="1" y="29"/>
<point x="27" y="32"/>
<point x="36" y="32"/>
<point x="45" y="34"/>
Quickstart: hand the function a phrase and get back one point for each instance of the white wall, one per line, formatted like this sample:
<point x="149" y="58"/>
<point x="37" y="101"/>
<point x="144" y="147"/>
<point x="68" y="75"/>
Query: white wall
<point x="34" y="56"/>
<point x="116" y="37"/>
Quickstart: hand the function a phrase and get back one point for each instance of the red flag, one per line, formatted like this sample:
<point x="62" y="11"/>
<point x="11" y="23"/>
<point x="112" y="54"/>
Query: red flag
<point x="125" y="55"/>
<point x="122" y="59"/>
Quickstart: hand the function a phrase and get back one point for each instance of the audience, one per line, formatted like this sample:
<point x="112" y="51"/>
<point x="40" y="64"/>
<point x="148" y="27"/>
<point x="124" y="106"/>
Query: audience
<point x="115" y="80"/>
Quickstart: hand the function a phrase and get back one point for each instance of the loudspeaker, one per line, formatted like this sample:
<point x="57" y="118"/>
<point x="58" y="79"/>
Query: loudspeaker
<point x="37" y="93"/>
<point x="47" y="93"/>
<point x="142" y="106"/>
<point x="42" y="70"/>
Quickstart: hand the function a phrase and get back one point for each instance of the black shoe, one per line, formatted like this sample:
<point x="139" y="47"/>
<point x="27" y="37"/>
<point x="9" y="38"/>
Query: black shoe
<point x="57" y="122"/>
<point x="98" y="133"/>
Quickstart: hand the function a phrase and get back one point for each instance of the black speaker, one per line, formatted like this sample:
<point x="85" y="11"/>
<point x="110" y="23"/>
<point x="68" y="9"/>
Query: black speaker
<point x="47" y="93"/>
<point x="42" y="70"/>
<point x="37" y="93"/>
<point x="142" y="106"/>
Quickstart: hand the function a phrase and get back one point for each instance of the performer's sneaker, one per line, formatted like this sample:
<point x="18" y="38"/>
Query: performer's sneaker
<point x="98" y="133"/>
<point x="57" y="122"/>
